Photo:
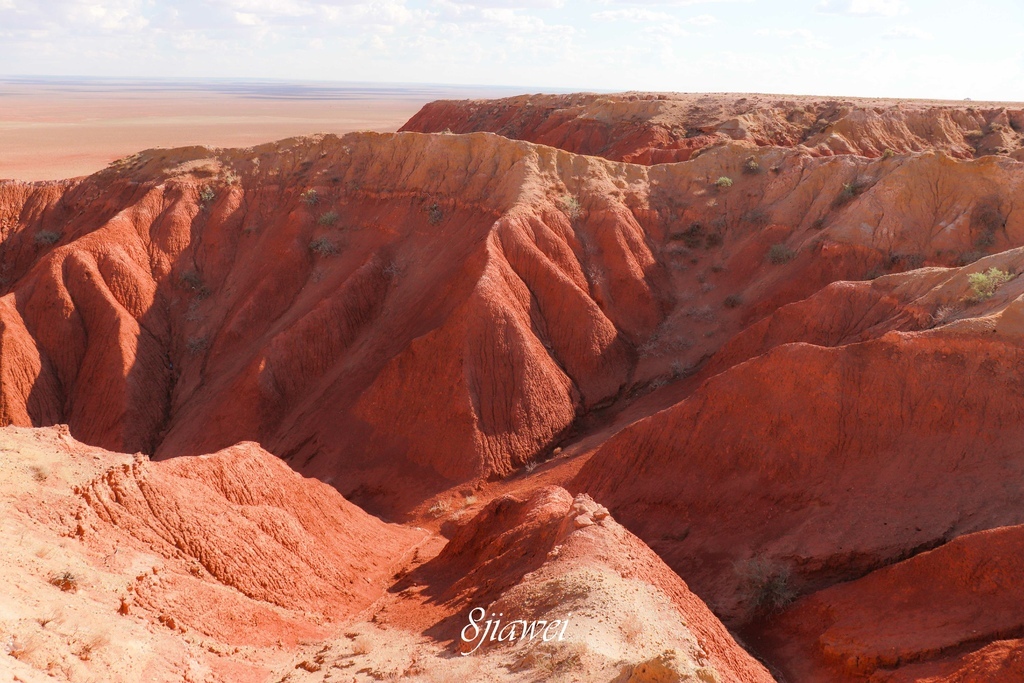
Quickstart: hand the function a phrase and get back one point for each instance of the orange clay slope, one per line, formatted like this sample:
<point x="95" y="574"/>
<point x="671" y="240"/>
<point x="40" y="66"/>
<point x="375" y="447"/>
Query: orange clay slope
<point x="211" y="568"/>
<point x="230" y="567"/>
<point x="657" y="128"/>
<point x="397" y="314"/>
<point x="777" y="368"/>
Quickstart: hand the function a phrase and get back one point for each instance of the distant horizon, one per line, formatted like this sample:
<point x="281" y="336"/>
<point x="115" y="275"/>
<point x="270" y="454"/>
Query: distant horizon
<point x="411" y="88"/>
<point x="891" y="49"/>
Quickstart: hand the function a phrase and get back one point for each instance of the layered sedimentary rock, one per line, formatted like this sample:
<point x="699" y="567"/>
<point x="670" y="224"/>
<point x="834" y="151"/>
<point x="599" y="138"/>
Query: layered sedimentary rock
<point x="787" y="363"/>
<point x="395" y="314"/>
<point x="652" y="128"/>
<point x="951" y="614"/>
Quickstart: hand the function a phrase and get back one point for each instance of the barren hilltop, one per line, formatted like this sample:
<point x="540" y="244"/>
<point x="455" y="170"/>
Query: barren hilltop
<point x="733" y="380"/>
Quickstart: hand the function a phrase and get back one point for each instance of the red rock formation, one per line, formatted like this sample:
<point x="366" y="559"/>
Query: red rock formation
<point x="952" y="614"/>
<point x="541" y="555"/>
<point x="397" y="314"/>
<point x="648" y="128"/>
<point x="847" y="439"/>
<point x="244" y="518"/>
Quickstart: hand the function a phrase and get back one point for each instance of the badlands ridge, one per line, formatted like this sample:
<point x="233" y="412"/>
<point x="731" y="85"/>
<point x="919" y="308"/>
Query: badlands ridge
<point x="733" y="381"/>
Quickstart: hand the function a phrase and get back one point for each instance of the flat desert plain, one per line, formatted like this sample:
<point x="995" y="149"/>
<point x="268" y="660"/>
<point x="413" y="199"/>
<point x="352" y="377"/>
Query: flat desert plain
<point x="53" y="128"/>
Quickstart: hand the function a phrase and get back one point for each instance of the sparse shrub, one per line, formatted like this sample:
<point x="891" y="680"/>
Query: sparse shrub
<point x="310" y="197"/>
<point x="323" y="246"/>
<point x="706" y="287"/>
<point x="693" y="236"/>
<point x="434" y="214"/>
<point x="361" y="646"/>
<point x="328" y="218"/>
<point x="969" y="258"/>
<point x="701" y="313"/>
<point x="530" y="466"/>
<point x="714" y="239"/>
<point x="192" y="281"/>
<point x="39" y="473"/>
<point x="757" y="217"/>
<point x="766" y="585"/>
<point x="944" y="314"/>
<point x="780" y="253"/>
<point x="984" y="285"/>
<point x="750" y="166"/>
<point x="818" y="224"/>
<point x="24" y="649"/>
<point x="849" y="192"/>
<point x="66" y="581"/>
<point x="440" y="508"/>
<point x="47" y="237"/>
<point x="570" y="205"/>
<point x="986" y="219"/>
<point x="889" y="153"/>
<point x="723" y="182"/>
<point x="90" y="645"/>
<point x="733" y="301"/>
<point x="207" y="194"/>
<point x="901" y="261"/>
<point x="678" y="369"/>
<point x="196" y="345"/>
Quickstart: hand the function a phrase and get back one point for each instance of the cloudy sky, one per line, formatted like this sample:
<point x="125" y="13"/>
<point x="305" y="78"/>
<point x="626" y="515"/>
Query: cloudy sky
<point x="900" y="48"/>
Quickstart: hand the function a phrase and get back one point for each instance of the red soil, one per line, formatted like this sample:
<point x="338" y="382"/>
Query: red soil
<point x="920" y="620"/>
<point x="645" y="128"/>
<point x="778" y="383"/>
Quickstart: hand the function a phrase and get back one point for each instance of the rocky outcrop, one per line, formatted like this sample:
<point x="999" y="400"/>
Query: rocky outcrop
<point x="951" y="614"/>
<point x="658" y="128"/>
<point x="398" y="314"/>
<point x="846" y="424"/>
<point x="542" y="557"/>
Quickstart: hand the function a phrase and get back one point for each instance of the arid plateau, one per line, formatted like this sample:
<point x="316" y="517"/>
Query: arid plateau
<point x="730" y="388"/>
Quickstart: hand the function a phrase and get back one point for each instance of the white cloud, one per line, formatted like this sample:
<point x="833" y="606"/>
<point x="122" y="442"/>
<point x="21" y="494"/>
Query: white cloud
<point x="906" y="33"/>
<point x="632" y="14"/>
<point x="800" y="36"/>
<point x="864" y="8"/>
<point x="702" y="20"/>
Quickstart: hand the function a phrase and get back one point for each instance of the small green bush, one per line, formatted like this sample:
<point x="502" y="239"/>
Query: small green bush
<point x="723" y="182"/>
<point x="751" y="166"/>
<point x="570" y="204"/>
<point x="310" y="197"/>
<point x="780" y="253"/>
<point x="849" y="192"/>
<point x="207" y="194"/>
<point x="984" y="285"/>
<point x="766" y="585"/>
<point x="733" y="301"/>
